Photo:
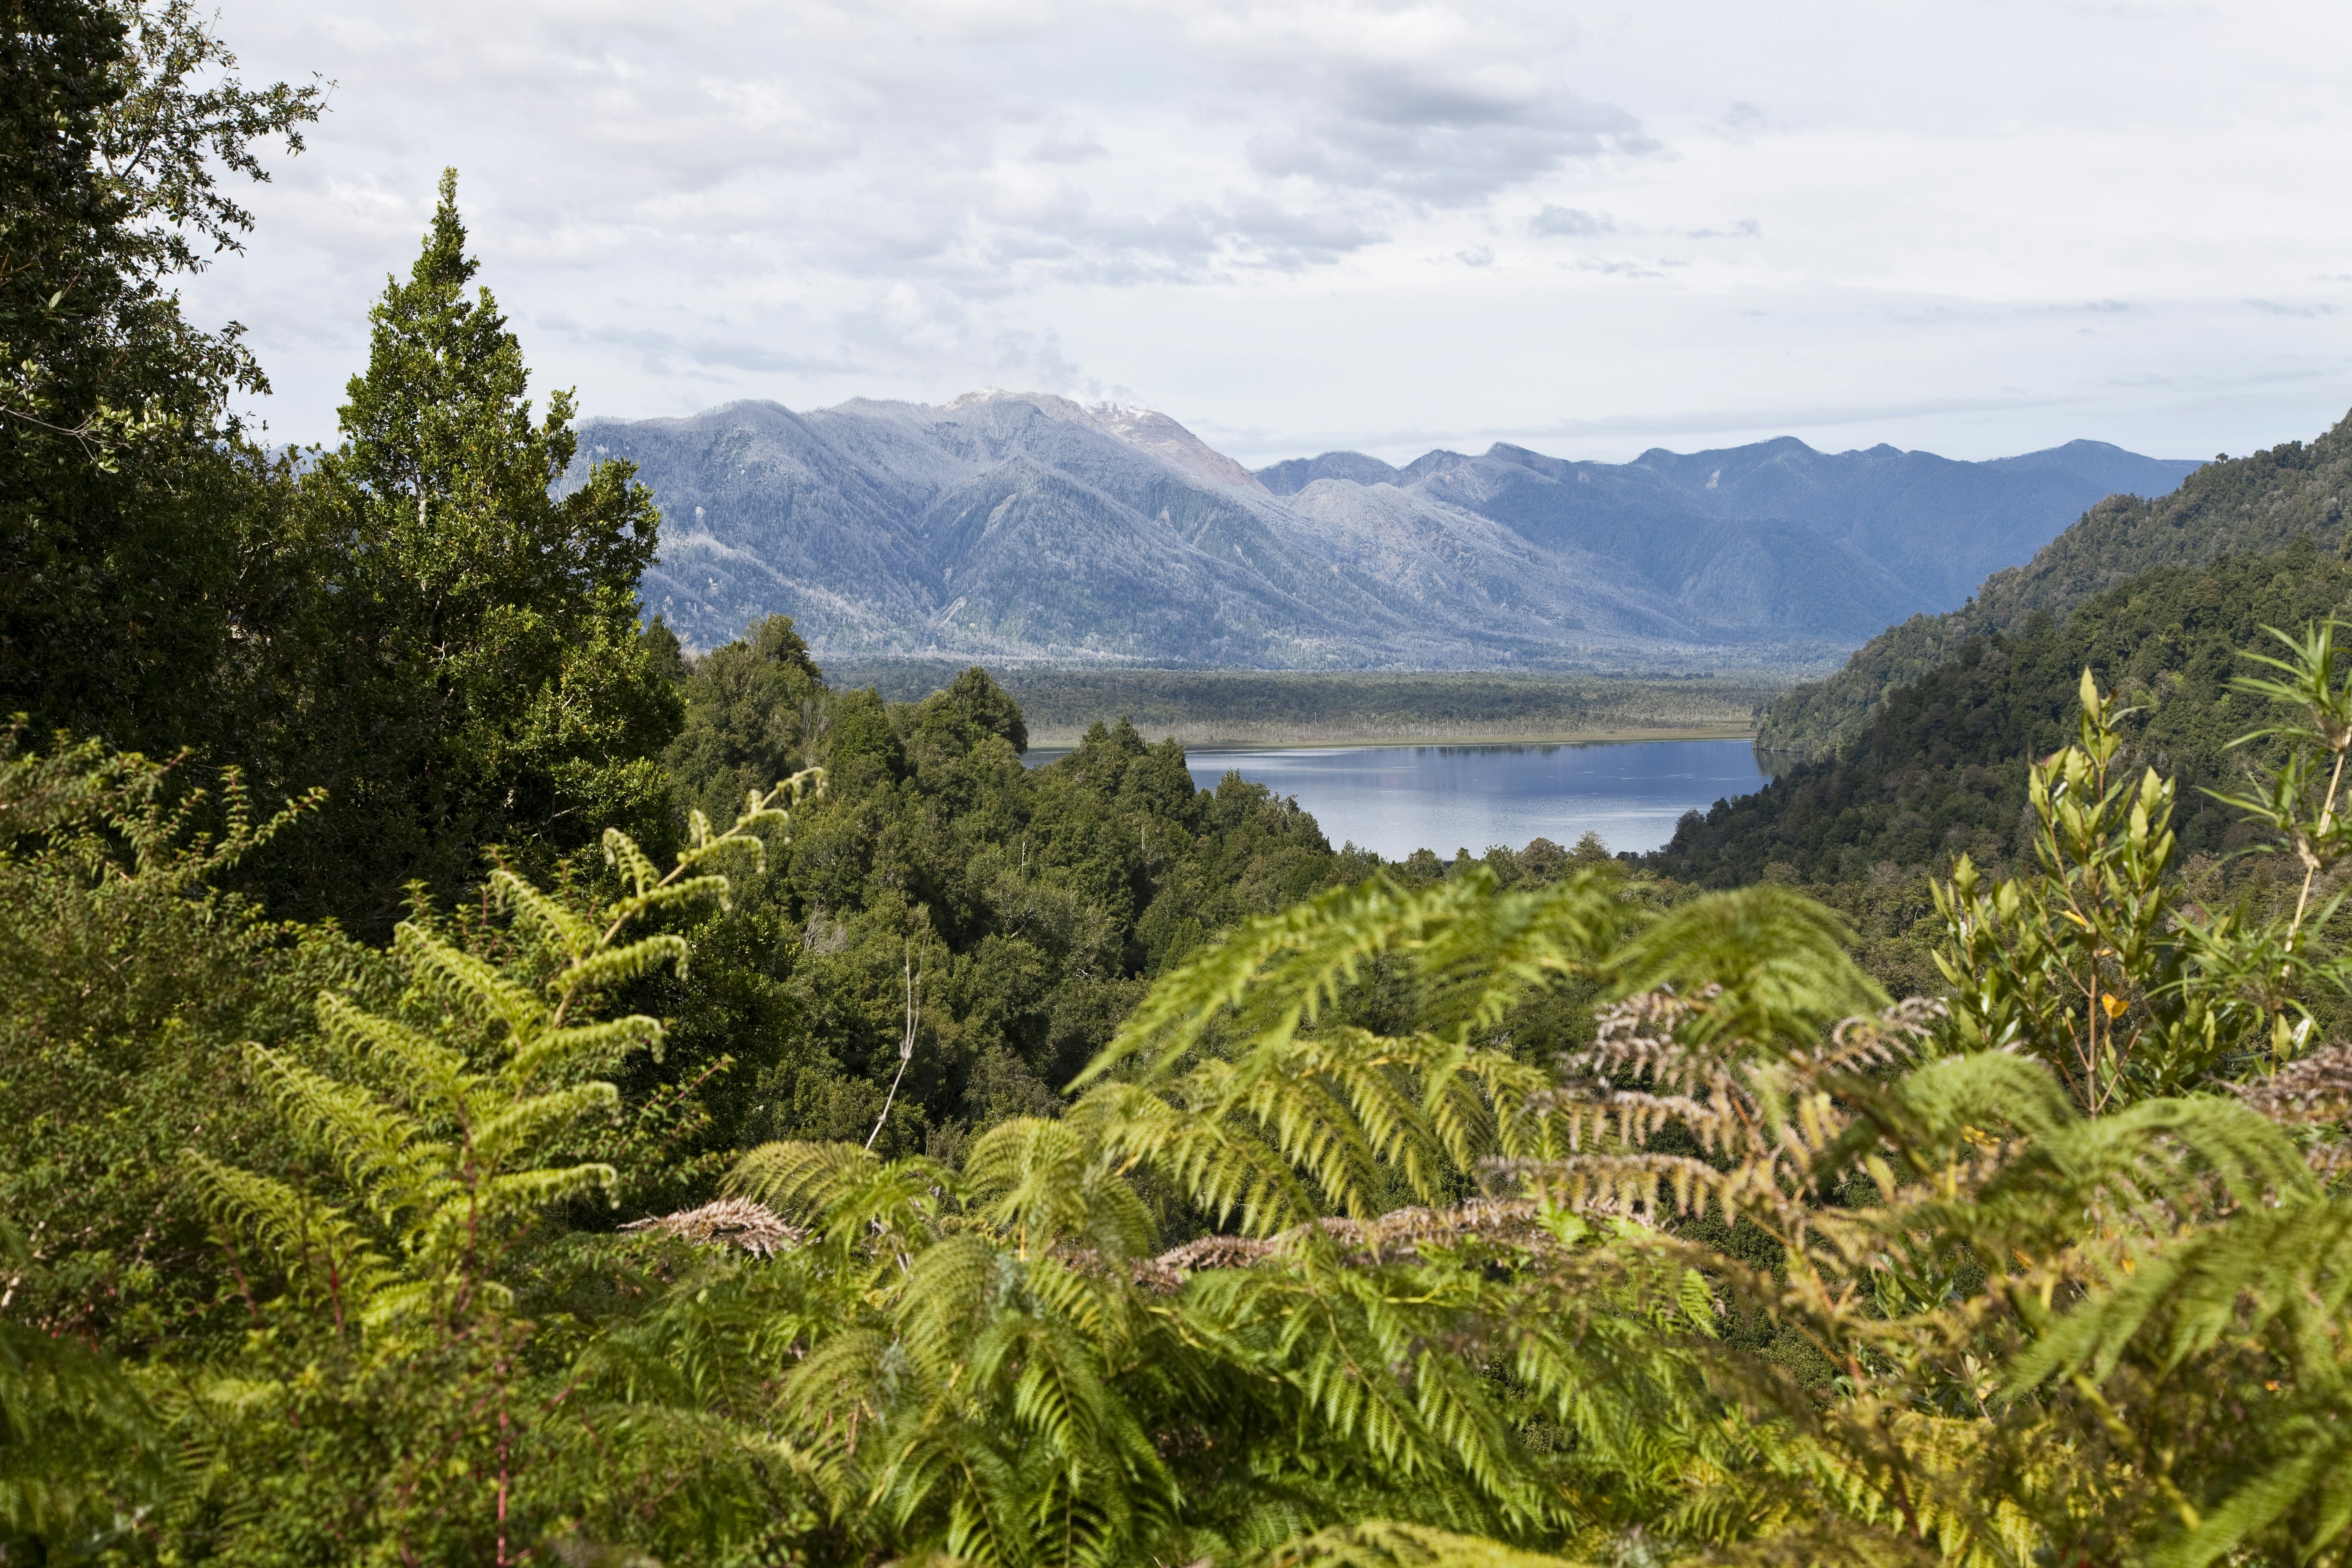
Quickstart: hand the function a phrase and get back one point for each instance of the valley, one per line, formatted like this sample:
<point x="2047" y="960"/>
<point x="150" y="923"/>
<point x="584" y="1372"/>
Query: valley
<point x="1289" y="708"/>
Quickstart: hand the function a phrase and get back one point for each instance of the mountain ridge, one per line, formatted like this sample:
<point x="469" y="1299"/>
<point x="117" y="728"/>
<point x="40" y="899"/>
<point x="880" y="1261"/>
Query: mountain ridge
<point x="1025" y="526"/>
<point x="2256" y="504"/>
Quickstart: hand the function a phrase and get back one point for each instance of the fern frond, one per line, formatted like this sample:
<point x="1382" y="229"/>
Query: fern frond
<point x="433" y="1074"/>
<point x="382" y="1150"/>
<point x="1227" y="1171"/>
<point x="2291" y="1265"/>
<point x="859" y="1201"/>
<point x="682" y="893"/>
<point x="470" y="983"/>
<point x="621" y="853"/>
<point x="555" y="922"/>
<point x="578" y="1048"/>
<point x="1782" y="963"/>
<point x="1320" y="946"/>
<point x="1042" y="1182"/>
<point x="615" y="966"/>
<point x="2250" y="1157"/>
<point x="501" y="1203"/>
<point x="1377" y="1543"/>
<point x="803" y="1178"/>
<point x="1484" y="953"/>
<point x="520" y="1130"/>
<point x="313" y="1240"/>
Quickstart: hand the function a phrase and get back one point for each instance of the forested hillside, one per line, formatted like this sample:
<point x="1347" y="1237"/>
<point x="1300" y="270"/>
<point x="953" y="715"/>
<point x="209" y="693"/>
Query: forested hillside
<point x="2231" y="506"/>
<point x="1942" y="771"/>
<point x="487" y="1086"/>
<point x="1005" y="918"/>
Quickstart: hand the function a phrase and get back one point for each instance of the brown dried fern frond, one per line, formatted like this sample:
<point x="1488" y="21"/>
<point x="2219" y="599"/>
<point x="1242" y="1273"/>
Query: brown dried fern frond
<point x="738" y="1223"/>
<point x="1647" y="1188"/>
<point x="1860" y="1044"/>
<point x="2316" y="1088"/>
<point x="1742" y="1101"/>
<point x="1396" y="1236"/>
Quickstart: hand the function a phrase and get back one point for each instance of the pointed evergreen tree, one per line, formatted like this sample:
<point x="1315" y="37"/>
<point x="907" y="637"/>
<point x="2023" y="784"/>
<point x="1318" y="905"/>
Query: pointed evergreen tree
<point x="490" y="683"/>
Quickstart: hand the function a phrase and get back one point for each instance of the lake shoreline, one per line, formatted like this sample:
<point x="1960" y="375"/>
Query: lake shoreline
<point x="1290" y="739"/>
<point x="1401" y="798"/>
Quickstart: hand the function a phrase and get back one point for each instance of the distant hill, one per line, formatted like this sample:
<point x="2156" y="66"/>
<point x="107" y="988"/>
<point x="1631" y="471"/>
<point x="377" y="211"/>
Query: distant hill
<point x="2238" y="506"/>
<point x="1940" y="769"/>
<point x="1026" y="528"/>
<point x="1932" y="525"/>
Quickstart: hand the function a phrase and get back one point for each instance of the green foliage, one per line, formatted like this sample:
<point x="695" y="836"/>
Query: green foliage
<point x="752" y="711"/>
<point x="1017" y="1379"/>
<point x="470" y="669"/>
<point x="127" y="537"/>
<point x="1515" y="1210"/>
<point x="79" y="1454"/>
<point x="131" y="979"/>
<point x="1943" y="770"/>
<point x="1295" y="707"/>
<point x="1030" y="904"/>
<point x="412" y="1386"/>
<point x="1383" y="1544"/>
<point x="2042" y="1329"/>
<point x="2097" y="962"/>
<point x="2255" y="505"/>
<point x="1760" y="1268"/>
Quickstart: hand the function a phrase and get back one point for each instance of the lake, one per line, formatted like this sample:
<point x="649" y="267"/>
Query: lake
<point x="1398" y="799"/>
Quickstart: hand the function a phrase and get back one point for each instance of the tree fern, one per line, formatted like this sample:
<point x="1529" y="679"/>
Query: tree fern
<point x="445" y="1140"/>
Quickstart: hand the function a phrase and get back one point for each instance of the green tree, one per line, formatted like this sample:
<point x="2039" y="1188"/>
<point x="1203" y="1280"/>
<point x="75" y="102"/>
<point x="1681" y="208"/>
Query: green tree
<point x="127" y="502"/>
<point x="78" y="1446"/>
<point x="474" y="673"/>
<point x="418" y="1385"/>
<point x="131" y="977"/>
<point x="2098" y="961"/>
<point x="754" y="710"/>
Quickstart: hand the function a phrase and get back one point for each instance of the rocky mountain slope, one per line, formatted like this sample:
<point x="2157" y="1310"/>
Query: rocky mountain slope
<point x="1023" y="527"/>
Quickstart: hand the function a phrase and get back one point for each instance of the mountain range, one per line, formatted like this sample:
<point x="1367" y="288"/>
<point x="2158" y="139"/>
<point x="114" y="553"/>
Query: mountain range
<point x="1022" y="527"/>
<point x="2249" y="506"/>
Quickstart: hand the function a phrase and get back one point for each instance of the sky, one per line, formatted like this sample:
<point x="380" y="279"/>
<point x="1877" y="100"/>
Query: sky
<point x="1970" y="226"/>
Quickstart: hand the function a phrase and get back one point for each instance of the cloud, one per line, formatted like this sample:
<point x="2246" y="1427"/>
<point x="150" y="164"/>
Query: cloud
<point x="1742" y="123"/>
<point x="667" y="354"/>
<point x="1270" y="215"/>
<point x="1066" y="147"/>
<point x="1446" y="140"/>
<point x="1572" y="222"/>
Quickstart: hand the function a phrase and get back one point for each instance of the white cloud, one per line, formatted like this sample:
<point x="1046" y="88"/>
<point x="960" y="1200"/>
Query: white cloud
<point x="1573" y="222"/>
<point x="1971" y="224"/>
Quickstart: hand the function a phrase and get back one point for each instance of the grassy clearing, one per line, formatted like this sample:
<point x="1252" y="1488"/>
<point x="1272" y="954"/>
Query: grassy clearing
<point x="1277" y="707"/>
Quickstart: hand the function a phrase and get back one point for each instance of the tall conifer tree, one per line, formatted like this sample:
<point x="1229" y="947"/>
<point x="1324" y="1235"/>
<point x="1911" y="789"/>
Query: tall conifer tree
<point x="487" y="682"/>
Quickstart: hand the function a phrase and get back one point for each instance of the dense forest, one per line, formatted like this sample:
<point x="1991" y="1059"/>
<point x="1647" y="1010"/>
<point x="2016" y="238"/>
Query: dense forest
<point x="1943" y="768"/>
<point x="2255" y="505"/>
<point x="488" y="1085"/>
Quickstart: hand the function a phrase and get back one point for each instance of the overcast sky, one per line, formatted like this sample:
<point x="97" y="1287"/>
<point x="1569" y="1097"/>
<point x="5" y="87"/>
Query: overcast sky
<point x="1975" y="228"/>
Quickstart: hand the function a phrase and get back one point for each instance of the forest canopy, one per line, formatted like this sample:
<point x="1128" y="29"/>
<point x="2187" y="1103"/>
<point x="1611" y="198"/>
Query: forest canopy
<point x="489" y="1084"/>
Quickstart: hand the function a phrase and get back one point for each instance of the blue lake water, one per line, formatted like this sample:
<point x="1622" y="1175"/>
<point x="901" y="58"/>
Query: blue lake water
<point x="1398" y="799"/>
